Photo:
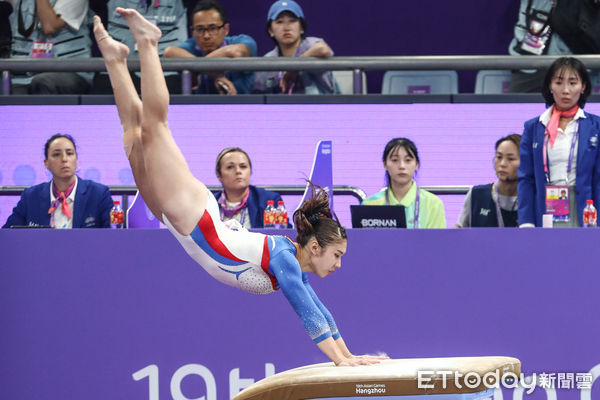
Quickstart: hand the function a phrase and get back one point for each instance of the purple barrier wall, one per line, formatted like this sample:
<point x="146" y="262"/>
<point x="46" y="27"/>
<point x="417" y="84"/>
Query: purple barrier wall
<point x="455" y="142"/>
<point x="123" y="314"/>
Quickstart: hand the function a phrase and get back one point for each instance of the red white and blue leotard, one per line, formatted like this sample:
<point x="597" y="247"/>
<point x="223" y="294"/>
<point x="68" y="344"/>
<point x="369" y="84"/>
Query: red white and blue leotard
<point x="258" y="264"/>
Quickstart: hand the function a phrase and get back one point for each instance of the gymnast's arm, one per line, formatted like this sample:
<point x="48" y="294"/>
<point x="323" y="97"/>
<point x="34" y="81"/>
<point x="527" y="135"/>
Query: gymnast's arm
<point x="287" y="271"/>
<point x="339" y="342"/>
<point x="332" y="326"/>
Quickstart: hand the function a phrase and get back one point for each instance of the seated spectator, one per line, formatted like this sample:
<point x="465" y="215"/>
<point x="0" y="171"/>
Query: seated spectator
<point x="66" y="201"/>
<point x="44" y="30"/>
<point x="401" y="161"/>
<point x="540" y="30"/>
<point x="287" y="27"/>
<point x="210" y="39"/>
<point x="239" y="200"/>
<point x="170" y="17"/>
<point x="495" y="204"/>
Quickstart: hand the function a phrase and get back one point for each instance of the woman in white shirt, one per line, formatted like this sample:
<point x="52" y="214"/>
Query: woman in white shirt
<point x="559" y="150"/>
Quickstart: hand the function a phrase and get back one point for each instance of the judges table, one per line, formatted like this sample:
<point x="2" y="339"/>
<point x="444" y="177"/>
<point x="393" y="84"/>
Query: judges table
<point x="117" y="314"/>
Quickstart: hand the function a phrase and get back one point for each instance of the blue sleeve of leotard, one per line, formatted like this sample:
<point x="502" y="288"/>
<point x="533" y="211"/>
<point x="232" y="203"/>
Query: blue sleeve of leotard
<point x="332" y="326"/>
<point x="286" y="270"/>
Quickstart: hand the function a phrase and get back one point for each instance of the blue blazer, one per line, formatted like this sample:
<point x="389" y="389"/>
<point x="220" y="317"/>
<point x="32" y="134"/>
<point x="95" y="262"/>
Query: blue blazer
<point x="532" y="180"/>
<point x="90" y="210"/>
<point x="257" y="202"/>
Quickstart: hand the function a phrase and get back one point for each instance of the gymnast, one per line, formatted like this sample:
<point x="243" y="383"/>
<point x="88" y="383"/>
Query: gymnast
<point x="247" y="260"/>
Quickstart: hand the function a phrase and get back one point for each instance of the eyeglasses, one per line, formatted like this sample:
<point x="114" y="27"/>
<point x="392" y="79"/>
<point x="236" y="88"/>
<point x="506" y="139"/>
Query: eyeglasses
<point x="211" y="29"/>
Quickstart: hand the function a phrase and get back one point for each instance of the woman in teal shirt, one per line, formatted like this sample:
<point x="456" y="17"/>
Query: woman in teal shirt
<point x="401" y="161"/>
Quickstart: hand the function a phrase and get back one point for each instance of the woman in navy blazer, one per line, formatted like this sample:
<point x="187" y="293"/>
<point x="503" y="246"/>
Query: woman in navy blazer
<point x="239" y="200"/>
<point x="566" y="88"/>
<point x="92" y="201"/>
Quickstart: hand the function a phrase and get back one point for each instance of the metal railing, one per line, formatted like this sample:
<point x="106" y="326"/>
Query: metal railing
<point x="356" y="64"/>
<point x="289" y="190"/>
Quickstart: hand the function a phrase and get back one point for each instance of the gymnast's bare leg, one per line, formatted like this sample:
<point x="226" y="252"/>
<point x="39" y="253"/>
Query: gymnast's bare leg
<point x="160" y="171"/>
<point x="129" y="106"/>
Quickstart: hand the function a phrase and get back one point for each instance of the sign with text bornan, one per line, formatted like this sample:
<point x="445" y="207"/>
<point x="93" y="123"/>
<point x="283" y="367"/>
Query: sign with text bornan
<point x="378" y="216"/>
<point x="321" y="173"/>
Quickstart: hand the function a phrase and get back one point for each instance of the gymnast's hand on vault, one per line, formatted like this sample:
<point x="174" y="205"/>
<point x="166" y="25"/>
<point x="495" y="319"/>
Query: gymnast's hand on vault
<point x="353" y="361"/>
<point x="372" y="357"/>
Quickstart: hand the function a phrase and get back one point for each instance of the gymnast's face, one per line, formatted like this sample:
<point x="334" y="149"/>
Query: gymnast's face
<point x="506" y="161"/>
<point x="325" y="260"/>
<point x="401" y="166"/>
<point x="62" y="159"/>
<point x="234" y="171"/>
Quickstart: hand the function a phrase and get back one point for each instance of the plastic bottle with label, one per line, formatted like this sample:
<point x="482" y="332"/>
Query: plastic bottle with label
<point x="116" y="216"/>
<point x="590" y="216"/>
<point x="281" y="218"/>
<point x="269" y="215"/>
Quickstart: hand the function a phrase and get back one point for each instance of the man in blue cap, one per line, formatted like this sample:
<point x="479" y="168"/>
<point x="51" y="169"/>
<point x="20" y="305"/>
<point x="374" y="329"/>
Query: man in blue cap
<point x="287" y="27"/>
<point x="210" y="30"/>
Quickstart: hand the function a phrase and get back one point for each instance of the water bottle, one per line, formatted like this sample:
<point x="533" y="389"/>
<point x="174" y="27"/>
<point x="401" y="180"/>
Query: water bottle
<point x="281" y="218"/>
<point x="590" y="216"/>
<point x="116" y="216"/>
<point x="269" y="215"/>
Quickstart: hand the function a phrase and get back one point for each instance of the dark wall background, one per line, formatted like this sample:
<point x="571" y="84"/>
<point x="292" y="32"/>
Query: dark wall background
<point x="393" y="28"/>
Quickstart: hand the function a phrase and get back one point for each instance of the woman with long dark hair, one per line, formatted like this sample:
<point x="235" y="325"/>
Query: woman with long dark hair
<point x="401" y="162"/>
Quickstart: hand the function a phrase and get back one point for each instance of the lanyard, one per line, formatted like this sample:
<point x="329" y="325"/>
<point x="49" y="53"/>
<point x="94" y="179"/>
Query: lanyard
<point x="26" y="32"/>
<point x="417" y="201"/>
<point x="242" y="215"/>
<point x="571" y="152"/>
<point x="496" y="198"/>
<point x="280" y="73"/>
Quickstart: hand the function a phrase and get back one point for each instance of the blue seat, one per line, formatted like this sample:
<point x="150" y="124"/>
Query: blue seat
<point x="420" y="82"/>
<point x="492" y="82"/>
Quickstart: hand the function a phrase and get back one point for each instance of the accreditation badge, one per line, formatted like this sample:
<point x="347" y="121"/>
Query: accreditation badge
<point x="537" y="35"/>
<point x="42" y="49"/>
<point x="557" y="202"/>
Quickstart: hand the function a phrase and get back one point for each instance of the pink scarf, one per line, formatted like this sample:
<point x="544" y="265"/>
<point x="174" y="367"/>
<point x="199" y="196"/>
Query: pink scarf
<point x="552" y="128"/>
<point x="61" y="197"/>
<point x="229" y="212"/>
